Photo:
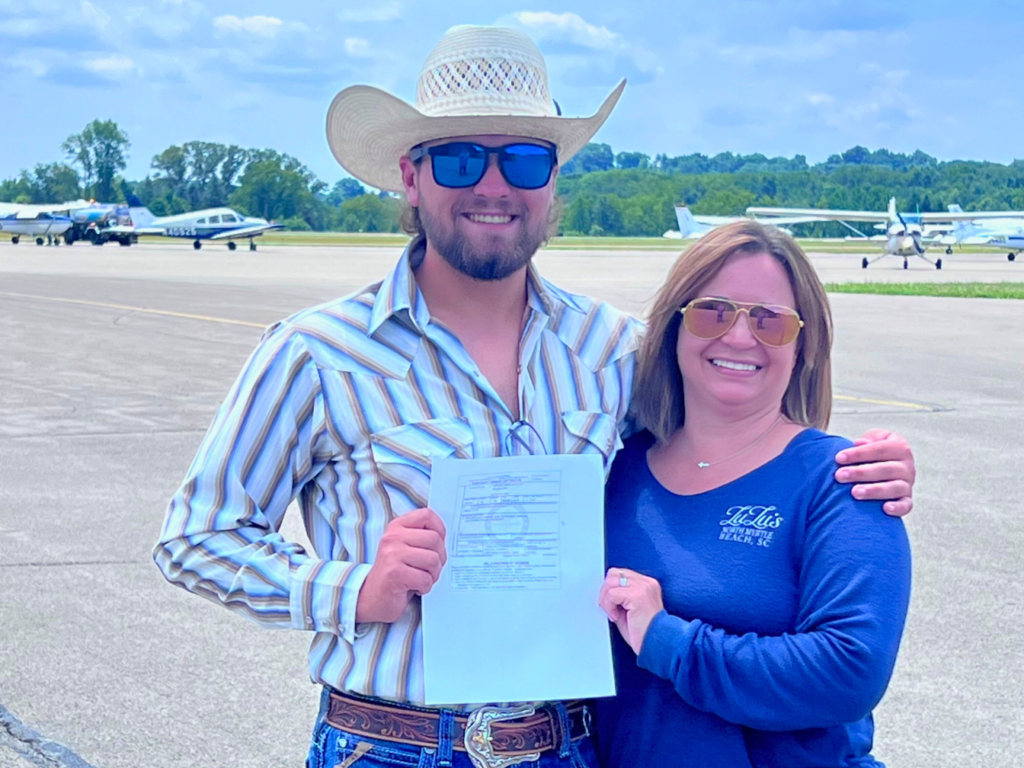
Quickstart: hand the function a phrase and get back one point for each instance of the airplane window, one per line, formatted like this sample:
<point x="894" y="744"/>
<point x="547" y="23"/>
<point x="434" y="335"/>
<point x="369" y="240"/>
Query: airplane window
<point x="201" y="221"/>
<point x="215" y="219"/>
<point x="227" y="218"/>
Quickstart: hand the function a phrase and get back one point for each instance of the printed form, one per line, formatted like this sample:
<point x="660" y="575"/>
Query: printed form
<point x="514" y="616"/>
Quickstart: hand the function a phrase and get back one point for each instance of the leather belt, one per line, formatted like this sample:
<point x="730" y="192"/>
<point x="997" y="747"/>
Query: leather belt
<point x="510" y="734"/>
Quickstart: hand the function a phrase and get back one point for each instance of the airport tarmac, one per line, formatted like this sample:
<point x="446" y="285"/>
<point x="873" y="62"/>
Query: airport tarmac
<point x="113" y="361"/>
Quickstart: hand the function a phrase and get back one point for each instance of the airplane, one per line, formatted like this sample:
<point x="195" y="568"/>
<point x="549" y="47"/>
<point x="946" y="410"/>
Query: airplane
<point x="692" y="227"/>
<point x="1015" y="244"/>
<point x="88" y="218"/>
<point x="207" y="224"/>
<point x="982" y="233"/>
<point x="904" y="234"/>
<point x="41" y="225"/>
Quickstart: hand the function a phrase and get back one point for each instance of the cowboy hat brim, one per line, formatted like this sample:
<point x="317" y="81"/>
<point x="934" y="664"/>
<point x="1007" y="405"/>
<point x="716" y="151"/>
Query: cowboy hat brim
<point x="369" y="130"/>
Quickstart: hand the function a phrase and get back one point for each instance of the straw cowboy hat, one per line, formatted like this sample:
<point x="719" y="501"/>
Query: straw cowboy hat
<point x="477" y="81"/>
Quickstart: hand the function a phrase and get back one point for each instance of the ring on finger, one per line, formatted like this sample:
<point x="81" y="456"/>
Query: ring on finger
<point x="623" y="581"/>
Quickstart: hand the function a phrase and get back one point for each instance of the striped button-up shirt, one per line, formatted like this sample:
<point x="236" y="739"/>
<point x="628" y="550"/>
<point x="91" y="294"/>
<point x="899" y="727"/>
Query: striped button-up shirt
<point x="344" y="406"/>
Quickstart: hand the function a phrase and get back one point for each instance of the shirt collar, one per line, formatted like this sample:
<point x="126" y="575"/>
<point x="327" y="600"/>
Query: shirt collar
<point x="399" y="292"/>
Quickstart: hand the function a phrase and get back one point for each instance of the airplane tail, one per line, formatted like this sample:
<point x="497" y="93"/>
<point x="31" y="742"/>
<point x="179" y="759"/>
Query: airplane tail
<point x="687" y="224"/>
<point x="141" y="215"/>
<point x="961" y="229"/>
<point x="893" y="215"/>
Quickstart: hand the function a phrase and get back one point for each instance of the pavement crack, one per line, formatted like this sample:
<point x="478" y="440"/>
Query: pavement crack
<point x="35" y="747"/>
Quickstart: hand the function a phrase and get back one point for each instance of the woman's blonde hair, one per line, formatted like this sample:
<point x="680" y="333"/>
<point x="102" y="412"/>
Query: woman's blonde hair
<point x="658" y="393"/>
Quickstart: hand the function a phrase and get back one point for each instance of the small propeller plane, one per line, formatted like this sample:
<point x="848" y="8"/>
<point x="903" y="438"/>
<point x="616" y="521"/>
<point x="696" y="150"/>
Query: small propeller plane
<point x="25" y="222"/>
<point x="904" y="235"/>
<point x="998" y="231"/>
<point x="208" y="224"/>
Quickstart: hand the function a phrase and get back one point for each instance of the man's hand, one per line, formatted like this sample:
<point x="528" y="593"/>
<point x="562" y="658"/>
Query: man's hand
<point x="409" y="562"/>
<point x="631" y="607"/>
<point x="882" y="465"/>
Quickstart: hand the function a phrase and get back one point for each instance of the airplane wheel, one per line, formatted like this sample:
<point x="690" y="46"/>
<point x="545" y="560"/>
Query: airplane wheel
<point x="1009" y="256"/>
<point x="949" y="250"/>
<point x="252" y="247"/>
<point x="196" y="245"/>
<point x="15" y="240"/>
<point x="864" y="263"/>
<point x="231" y="246"/>
<point x="39" y="241"/>
<point x="938" y="263"/>
<point x="905" y="264"/>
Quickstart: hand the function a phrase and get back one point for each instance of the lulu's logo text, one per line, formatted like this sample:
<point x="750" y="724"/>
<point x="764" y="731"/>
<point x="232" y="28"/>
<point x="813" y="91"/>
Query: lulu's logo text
<point x="752" y="516"/>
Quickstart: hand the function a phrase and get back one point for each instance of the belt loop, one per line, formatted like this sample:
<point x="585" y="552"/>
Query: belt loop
<point x="325" y="701"/>
<point x="563" y="733"/>
<point x="445" y="738"/>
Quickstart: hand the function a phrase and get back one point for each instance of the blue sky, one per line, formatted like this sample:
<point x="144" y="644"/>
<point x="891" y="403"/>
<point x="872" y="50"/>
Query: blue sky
<point x="782" y="77"/>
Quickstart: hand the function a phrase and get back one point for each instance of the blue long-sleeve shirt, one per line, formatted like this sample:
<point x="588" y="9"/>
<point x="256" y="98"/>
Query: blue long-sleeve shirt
<point x="785" y="600"/>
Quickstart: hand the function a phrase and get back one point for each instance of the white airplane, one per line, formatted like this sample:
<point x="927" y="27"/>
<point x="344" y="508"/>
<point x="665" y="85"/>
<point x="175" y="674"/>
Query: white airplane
<point x="904" y="234"/>
<point x="41" y="225"/>
<point x="993" y="231"/>
<point x="1014" y="244"/>
<point x="207" y="224"/>
<point x="692" y="227"/>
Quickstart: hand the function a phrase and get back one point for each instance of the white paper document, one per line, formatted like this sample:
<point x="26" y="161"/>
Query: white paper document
<point x="514" y="616"/>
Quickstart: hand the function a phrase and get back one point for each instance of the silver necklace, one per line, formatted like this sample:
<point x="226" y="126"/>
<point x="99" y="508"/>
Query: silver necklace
<point x="762" y="436"/>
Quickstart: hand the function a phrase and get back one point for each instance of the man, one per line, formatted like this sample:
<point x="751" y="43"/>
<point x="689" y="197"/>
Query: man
<point x="462" y="350"/>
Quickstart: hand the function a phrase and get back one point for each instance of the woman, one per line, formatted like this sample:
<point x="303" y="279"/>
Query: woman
<point x="759" y="605"/>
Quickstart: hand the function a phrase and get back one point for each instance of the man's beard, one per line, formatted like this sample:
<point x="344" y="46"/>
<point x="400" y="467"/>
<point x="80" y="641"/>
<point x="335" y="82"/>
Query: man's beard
<point x="494" y="260"/>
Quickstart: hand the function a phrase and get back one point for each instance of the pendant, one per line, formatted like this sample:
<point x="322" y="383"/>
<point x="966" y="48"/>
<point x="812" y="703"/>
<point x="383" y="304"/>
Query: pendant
<point x="703" y="464"/>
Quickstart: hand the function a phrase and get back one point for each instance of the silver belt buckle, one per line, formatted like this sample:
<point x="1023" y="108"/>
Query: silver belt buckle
<point x="478" y="736"/>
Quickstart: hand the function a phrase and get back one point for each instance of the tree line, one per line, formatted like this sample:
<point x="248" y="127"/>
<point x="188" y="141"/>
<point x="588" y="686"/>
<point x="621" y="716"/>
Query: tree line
<point x="604" y="193"/>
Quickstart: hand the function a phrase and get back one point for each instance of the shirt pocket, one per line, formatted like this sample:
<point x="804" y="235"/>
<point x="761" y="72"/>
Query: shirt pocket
<point x="591" y="431"/>
<point x="404" y="455"/>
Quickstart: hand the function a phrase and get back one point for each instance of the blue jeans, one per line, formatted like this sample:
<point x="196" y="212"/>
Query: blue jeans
<point x="331" y="747"/>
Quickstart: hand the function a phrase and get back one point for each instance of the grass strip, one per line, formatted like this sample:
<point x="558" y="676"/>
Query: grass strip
<point x="1001" y="290"/>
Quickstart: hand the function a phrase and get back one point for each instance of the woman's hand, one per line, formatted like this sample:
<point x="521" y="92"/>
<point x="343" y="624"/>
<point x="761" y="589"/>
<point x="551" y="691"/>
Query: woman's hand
<point x="882" y="466"/>
<point x="631" y="600"/>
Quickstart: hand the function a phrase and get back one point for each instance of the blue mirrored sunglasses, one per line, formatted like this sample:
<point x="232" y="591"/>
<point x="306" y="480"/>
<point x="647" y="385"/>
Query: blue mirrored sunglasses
<point x="461" y="164"/>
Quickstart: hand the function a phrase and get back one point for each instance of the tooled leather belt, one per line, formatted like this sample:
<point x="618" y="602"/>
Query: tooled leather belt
<point x="532" y="733"/>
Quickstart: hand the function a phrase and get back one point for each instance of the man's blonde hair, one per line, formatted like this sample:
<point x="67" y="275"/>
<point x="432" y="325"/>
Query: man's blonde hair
<point x="658" y="393"/>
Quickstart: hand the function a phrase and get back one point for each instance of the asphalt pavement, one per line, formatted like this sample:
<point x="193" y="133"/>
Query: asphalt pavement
<point x="113" y="361"/>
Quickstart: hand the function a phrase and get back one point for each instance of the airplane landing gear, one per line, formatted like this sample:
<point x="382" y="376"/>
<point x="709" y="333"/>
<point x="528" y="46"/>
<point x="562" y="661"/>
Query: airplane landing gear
<point x="1009" y="256"/>
<point x="252" y="246"/>
<point x="864" y="263"/>
<point x="231" y="246"/>
<point x="15" y="240"/>
<point x="949" y="250"/>
<point x="196" y="245"/>
<point x="39" y="241"/>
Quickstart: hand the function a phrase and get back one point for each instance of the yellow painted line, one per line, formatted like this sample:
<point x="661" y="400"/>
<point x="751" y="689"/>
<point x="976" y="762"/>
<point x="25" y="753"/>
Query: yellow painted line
<point x="896" y="403"/>
<point x="128" y="308"/>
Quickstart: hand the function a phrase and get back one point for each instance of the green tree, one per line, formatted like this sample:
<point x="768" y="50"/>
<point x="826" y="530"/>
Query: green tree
<point x="273" y="191"/>
<point x="99" y="150"/>
<point x="593" y="157"/>
<point x="632" y="160"/>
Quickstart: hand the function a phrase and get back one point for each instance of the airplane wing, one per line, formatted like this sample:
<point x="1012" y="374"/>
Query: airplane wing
<point x="123" y="230"/>
<point x="258" y="229"/>
<point x="803" y="215"/>
<point x="972" y="216"/>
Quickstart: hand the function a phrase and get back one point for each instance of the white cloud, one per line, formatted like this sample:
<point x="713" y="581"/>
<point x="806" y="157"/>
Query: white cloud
<point x="110" y="66"/>
<point x="381" y="12"/>
<point x="569" y="26"/>
<point x="357" y="47"/>
<point x="264" y="26"/>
